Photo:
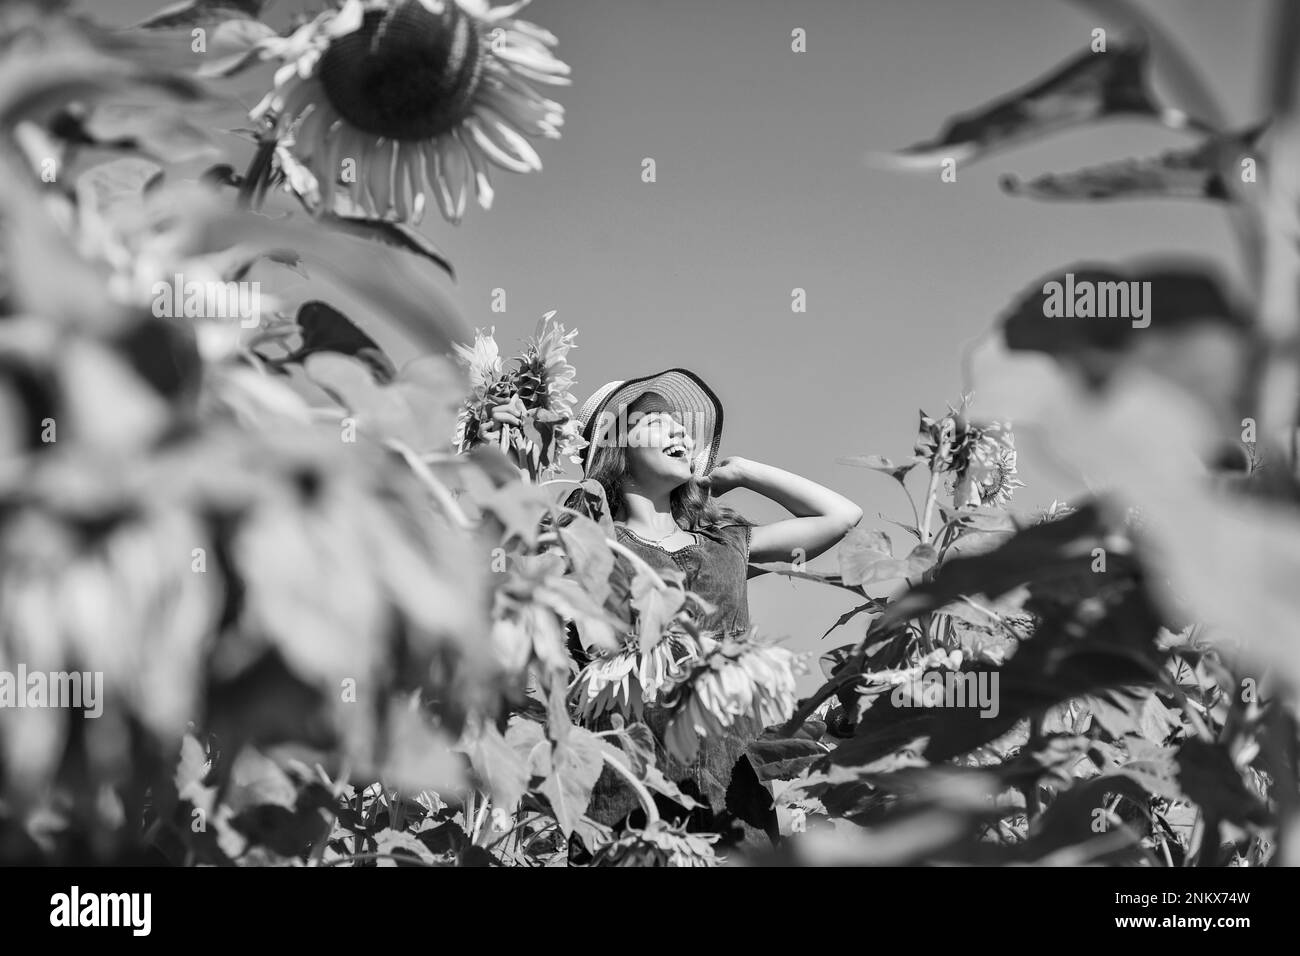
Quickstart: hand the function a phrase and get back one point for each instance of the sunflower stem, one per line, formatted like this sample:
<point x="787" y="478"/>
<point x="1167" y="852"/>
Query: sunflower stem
<point x="932" y="490"/>
<point x="916" y="516"/>
<point x="519" y="824"/>
<point x="1277" y="319"/>
<point x="479" y="818"/>
<point x="436" y="487"/>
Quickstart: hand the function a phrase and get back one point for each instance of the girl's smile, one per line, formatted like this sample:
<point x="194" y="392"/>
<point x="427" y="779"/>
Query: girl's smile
<point x="660" y="450"/>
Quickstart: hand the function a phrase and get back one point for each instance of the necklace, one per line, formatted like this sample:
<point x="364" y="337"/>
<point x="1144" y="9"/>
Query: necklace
<point x="655" y="541"/>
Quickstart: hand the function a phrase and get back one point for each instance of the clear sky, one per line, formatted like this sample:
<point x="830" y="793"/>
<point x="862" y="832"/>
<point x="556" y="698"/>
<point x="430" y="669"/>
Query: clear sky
<point x="763" y="185"/>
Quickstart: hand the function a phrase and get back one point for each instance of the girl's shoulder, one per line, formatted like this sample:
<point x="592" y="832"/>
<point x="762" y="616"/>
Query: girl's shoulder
<point x="734" y="529"/>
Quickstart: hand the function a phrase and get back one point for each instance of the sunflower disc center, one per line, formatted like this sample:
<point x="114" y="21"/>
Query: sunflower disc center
<point x="408" y="73"/>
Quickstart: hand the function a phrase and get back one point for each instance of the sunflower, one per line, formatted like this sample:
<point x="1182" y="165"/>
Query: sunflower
<point x="625" y="681"/>
<point x="424" y="96"/>
<point x="876" y="683"/>
<point x="488" y="387"/>
<point x="1000" y="481"/>
<point x="659" y="844"/>
<point x="987" y="466"/>
<point x="482" y="361"/>
<point x="992" y="464"/>
<point x="545" y="375"/>
<point x="741" y="682"/>
<point x="535" y="389"/>
<point x="544" y="379"/>
<point x="1057" y="509"/>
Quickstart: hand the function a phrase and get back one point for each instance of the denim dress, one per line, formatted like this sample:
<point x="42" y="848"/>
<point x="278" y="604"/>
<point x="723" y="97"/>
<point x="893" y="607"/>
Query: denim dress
<point x="716" y="568"/>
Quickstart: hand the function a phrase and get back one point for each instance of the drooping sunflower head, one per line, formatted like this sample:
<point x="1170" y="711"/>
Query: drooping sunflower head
<point x="393" y="104"/>
<point x="659" y="844"/>
<point x="1001" y="482"/>
<point x="991" y="464"/>
<point x="409" y="72"/>
<point x="740" y="682"/>
<point x="625" y="680"/>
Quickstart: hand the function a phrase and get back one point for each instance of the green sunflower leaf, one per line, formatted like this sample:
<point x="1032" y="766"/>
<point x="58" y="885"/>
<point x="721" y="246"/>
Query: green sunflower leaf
<point x="187" y="13"/>
<point x="416" y="409"/>
<point x="655" y="606"/>
<point x="1086" y="88"/>
<point x="395" y="234"/>
<point x="866" y="557"/>
<point x="1208" y="776"/>
<point x="591" y="559"/>
<point x="501" y="767"/>
<point x="161" y="134"/>
<point x="569" y="771"/>
<point x="326" y="329"/>
<point x="880" y="463"/>
<point x="1196" y="173"/>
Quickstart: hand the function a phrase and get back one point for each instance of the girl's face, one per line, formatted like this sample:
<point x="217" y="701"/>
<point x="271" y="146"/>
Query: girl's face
<point x="660" y="453"/>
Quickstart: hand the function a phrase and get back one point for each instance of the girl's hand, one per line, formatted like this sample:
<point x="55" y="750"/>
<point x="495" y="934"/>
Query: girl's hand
<point x="509" y="413"/>
<point x="726" y="474"/>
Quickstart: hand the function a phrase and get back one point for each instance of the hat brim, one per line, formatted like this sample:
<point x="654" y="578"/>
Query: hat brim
<point x="694" y="401"/>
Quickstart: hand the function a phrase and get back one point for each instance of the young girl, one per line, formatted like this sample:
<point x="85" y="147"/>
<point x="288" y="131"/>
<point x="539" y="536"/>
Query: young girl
<point x="653" y="444"/>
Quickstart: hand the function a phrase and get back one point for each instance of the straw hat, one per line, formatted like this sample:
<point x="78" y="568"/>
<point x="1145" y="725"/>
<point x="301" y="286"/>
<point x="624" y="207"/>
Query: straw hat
<point x="684" y="393"/>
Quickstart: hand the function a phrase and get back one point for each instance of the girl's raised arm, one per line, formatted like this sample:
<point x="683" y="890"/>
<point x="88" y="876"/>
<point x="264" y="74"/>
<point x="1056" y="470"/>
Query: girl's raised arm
<point x="822" y="517"/>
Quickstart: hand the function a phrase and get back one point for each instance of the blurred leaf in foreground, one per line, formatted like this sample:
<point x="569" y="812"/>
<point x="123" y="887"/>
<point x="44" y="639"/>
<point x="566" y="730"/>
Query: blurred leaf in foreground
<point x="1086" y="88"/>
<point x="1199" y="172"/>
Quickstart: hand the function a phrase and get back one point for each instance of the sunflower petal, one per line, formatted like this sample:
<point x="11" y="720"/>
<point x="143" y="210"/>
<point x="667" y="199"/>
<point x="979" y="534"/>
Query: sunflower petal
<point x="540" y="76"/>
<point x="533" y="31"/>
<point x="504" y="74"/>
<point x="492" y="150"/>
<point x="455" y="167"/>
<point x="304" y="94"/>
<point x="491" y="14"/>
<point x="426" y="169"/>
<point x="413" y="163"/>
<point x="379" y="178"/>
<point x="347" y="20"/>
<point x="286" y="74"/>
<point x="507" y="138"/>
<point x="442" y="191"/>
<point x="327" y="173"/>
<point x="532" y="58"/>
<point x="482" y="184"/>
<point x="481" y="9"/>
<point x="401" y="195"/>
<point x="524" y="114"/>
<point x="354" y="149"/>
<point x="309" y="137"/>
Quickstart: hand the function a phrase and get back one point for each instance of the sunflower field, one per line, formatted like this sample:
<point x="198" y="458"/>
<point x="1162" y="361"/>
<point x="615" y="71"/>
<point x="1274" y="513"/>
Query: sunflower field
<point x="338" y="612"/>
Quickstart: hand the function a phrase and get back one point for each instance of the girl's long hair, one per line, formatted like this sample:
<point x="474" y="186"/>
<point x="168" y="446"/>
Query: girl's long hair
<point x="694" y="509"/>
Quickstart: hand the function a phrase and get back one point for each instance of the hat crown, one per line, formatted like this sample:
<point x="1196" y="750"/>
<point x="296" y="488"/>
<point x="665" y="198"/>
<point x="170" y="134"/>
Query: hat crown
<point x="681" y="390"/>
